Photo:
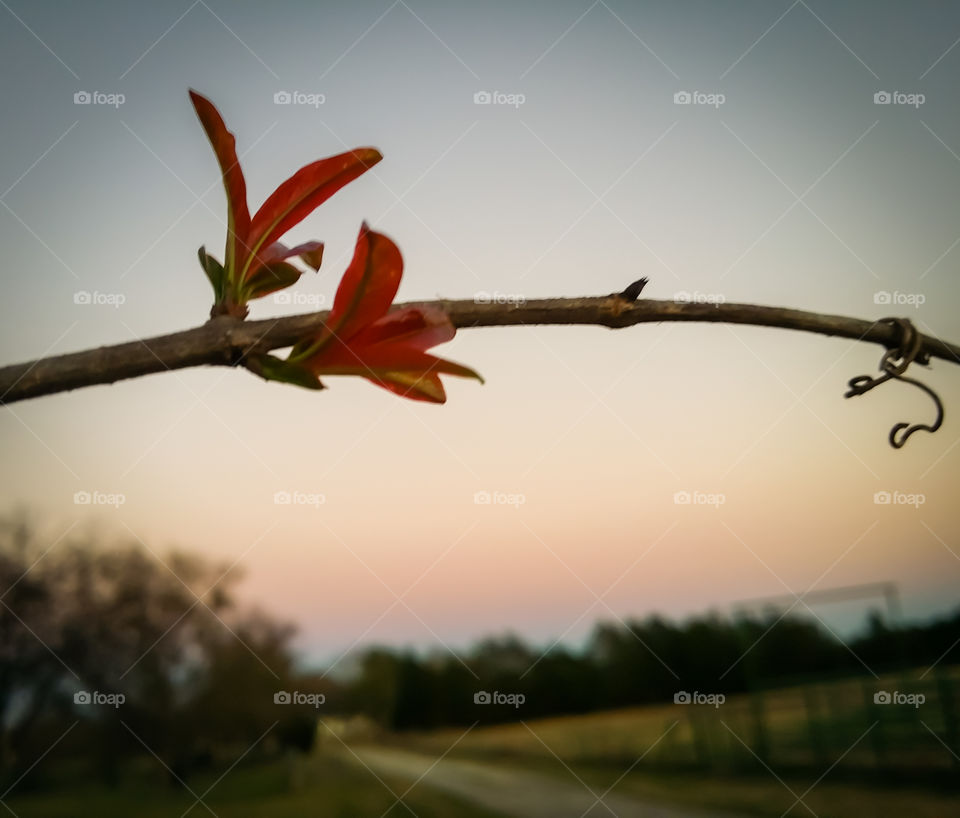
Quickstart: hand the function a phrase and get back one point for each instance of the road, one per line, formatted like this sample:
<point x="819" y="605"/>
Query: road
<point x="516" y="792"/>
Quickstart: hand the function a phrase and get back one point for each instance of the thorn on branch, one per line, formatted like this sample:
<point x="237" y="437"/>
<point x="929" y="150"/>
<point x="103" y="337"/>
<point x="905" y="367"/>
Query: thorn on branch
<point x="632" y="292"/>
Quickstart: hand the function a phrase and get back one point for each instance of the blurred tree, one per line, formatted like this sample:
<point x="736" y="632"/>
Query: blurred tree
<point x="195" y="674"/>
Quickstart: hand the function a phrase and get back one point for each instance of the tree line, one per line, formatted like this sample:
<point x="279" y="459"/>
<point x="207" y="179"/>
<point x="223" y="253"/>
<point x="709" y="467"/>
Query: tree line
<point x="108" y="654"/>
<point x="634" y="663"/>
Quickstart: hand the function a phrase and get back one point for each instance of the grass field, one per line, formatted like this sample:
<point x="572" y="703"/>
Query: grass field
<point x="819" y="741"/>
<point x="806" y="726"/>
<point x="823" y="737"/>
<point x="760" y="796"/>
<point x="325" y="788"/>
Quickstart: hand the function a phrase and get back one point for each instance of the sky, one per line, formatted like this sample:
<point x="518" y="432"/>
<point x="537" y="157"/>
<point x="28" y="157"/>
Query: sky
<point x="798" y="154"/>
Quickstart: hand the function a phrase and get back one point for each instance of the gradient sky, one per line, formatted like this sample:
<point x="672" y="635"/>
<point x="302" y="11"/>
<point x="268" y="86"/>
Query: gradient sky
<point x="798" y="190"/>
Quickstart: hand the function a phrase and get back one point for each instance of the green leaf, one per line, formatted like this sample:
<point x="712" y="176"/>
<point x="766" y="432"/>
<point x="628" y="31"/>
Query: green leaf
<point x="270" y="278"/>
<point x="214" y="271"/>
<point x="273" y="369"/>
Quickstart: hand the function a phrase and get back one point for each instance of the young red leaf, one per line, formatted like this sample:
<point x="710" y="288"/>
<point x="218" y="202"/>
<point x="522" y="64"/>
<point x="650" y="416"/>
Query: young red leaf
<point x="311" y="256"/>
<point x="311" y="252"/>
<point x="225" y="147"/>
<point x="416" y="387"/>
<point x="387" y="348"/>
<point x="365" y="293"/>
<point x="419" y="327"/>
<point x="369" y="284"/>
<point x="302" y="193"/>
<point x="397" y="348"/>
<point x="401" y="369"/>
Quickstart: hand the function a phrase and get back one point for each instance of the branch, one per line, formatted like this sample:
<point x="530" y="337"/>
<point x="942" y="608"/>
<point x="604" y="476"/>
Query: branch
<point x="226" y="341"/>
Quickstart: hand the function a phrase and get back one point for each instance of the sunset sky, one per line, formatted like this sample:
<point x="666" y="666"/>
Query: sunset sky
<point x="784" y="181"/>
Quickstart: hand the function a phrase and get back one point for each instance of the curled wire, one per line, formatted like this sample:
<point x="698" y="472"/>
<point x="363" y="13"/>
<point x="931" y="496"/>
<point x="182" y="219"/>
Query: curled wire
<point x="893" y="365"/>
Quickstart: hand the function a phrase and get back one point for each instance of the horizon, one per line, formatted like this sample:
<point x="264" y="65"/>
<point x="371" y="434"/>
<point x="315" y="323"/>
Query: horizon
<point x="660" y="468"/>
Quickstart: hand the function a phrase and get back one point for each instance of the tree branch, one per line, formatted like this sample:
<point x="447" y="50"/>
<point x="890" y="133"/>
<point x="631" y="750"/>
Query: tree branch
<point x="226" y="341"/>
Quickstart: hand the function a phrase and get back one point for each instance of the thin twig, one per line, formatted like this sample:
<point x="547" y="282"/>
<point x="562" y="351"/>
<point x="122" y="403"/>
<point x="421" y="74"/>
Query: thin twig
<point x="225" y="341"/>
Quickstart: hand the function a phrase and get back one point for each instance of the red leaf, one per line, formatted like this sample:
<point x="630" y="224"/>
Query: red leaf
<point x="311" y="252"/>
<point x="303" y="192"/>
<point x="419" y="327"/>
<point x="390" y="353"/>
<point x="369" y="285"/>
<point x="404" y="371"/>
<point x="311" y="256"/>
<point x="427" y="388"/>
<point x="345" y="358"/>
<point x="225" y="147"/>
<point x="387" y="348"/>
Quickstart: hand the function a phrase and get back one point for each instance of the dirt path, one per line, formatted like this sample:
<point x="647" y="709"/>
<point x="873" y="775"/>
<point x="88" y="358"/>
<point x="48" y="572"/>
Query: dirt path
<point x="516" y="792"/>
